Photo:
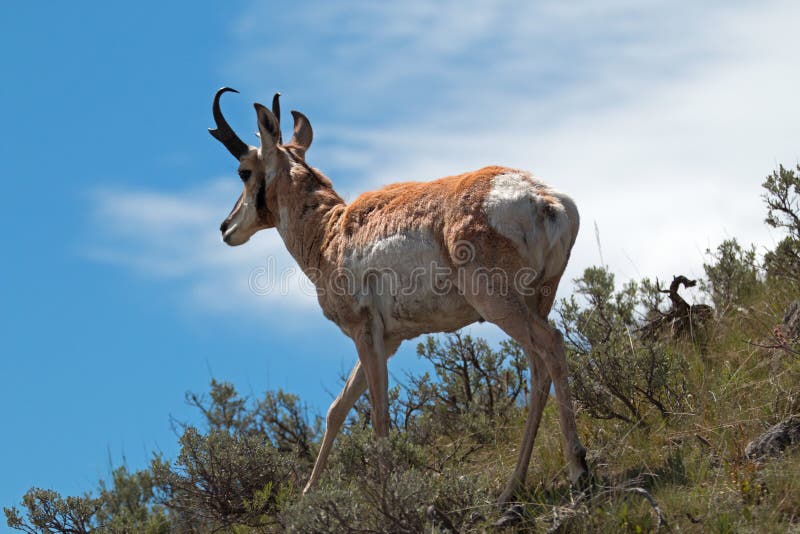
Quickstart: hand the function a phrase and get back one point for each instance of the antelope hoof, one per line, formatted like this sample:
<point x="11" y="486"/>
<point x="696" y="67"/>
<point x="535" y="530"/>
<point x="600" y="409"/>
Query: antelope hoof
<point x="504" y="499"/>
<point x="512" y="516"/>
<point x="511" y="488"/>
<point x="581" y="471"/>
<point x="585" y="482"/>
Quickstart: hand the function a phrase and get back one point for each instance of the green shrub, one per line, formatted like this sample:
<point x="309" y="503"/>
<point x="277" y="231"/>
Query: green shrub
<point x="386" y="485"/>
<point x="732" y="277"/>
<point x="616" y="374"/>
<point x="220" y="480"/>
<point x="126" y="505"/>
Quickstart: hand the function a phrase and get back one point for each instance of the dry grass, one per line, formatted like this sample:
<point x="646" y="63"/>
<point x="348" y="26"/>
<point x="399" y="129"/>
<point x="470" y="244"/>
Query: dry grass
<point x="690" y="469"/>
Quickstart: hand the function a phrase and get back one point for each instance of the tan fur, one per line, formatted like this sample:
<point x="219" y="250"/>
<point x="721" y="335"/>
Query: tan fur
<point x="468" y="223"/>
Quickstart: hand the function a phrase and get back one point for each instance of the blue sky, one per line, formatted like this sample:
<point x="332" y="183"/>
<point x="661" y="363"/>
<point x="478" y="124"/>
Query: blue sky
<point x="660" y="118"/>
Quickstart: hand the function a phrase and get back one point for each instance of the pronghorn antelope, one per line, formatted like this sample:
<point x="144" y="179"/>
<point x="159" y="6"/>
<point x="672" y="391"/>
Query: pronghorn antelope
<point x="489" y="245"/>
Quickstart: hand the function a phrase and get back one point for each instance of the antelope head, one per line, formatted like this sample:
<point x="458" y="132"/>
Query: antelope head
<point x="259" y="167"/>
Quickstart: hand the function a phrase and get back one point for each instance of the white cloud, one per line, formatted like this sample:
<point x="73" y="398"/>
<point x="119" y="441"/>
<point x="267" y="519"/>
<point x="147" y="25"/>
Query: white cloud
<point x="660" y="119"/>
<point x="662" y="122"/>
<point x="174" y="236"/>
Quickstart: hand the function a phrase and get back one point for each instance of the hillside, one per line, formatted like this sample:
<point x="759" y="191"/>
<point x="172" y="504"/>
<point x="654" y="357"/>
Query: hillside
<point x="668" y="396"/>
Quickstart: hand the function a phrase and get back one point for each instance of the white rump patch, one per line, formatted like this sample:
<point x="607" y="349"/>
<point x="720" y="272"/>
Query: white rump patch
<point x="534" y="217"/>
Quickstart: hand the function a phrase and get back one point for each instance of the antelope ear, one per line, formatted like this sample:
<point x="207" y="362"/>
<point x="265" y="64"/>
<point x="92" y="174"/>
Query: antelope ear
<point x="269" y="129"/>
<point x="303" y="134"/>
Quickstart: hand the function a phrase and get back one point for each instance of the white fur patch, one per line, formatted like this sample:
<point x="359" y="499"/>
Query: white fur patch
<point x="397" y="276"/>
<point x="534" y="217"/>
<point x="242" y="222"/>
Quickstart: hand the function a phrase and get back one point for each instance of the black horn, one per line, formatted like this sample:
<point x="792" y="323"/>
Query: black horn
<point x="276" y="106"/>
<point x="223" y="132"/>
<point x="276" y="110"/>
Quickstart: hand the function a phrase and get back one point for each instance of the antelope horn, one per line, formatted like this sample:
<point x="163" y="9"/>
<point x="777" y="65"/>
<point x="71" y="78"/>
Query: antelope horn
<point x="223" y="132"/>
<point x="276" y="110"/>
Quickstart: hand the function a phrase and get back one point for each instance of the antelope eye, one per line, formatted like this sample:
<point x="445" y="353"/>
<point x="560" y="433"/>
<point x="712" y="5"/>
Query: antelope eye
<point x="244" y="174"/>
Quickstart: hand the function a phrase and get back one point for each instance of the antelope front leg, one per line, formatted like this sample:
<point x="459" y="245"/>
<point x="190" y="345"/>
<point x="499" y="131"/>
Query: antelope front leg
<point x="354" y="387"/>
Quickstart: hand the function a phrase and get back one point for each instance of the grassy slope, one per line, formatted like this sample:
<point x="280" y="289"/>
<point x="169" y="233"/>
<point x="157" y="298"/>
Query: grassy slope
<point x="693" y="464"/>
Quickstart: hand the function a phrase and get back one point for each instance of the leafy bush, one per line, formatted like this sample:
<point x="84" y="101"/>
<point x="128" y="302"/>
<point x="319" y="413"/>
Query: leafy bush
<point x="220" y="480"/>
<point x="732" y="277"/>
<point x="278" y="417"/>
<point x="616" y="374"/>
<point x="386" y="486"/>
<point x="253" y="456"/>
<point x="471" y="378"/>
<point x="473" y="387"/>
<point x="782" y="197"/>
<point x="783" y="263"/>
<point x="127" y="505"/>
<point x="49" y="512"/>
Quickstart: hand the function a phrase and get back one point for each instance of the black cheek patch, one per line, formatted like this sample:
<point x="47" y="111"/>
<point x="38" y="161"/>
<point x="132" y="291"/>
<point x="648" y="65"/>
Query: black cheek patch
<point x="261" y="200"/>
